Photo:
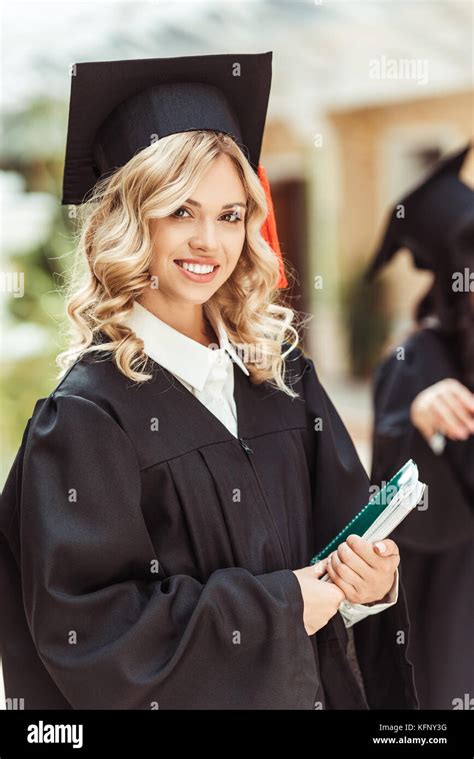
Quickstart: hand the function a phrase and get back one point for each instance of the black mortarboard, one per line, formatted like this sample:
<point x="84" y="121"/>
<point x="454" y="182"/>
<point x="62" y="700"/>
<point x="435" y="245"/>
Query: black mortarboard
<point x="429" y="218"/>
<point x="117" y="107"/>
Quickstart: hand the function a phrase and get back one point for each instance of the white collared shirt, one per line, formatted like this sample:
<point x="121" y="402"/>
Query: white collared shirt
<point x="209" y="374"/>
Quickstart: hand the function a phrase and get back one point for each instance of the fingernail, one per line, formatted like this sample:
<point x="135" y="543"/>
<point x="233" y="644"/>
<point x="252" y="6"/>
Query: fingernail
<point x="382" y="547"/>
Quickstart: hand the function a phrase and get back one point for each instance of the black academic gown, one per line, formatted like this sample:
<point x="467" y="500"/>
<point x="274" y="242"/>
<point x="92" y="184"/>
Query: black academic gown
<point x="437" y="540"/>
<point x="146" y="554"/>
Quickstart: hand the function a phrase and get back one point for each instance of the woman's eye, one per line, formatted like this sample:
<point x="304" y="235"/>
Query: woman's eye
<point x="234" y="216"/>
<point x="178" y="210"/>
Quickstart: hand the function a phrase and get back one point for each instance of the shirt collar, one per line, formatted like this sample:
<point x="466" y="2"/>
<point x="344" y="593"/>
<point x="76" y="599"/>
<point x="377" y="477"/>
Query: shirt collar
<point x="186" y="358"/>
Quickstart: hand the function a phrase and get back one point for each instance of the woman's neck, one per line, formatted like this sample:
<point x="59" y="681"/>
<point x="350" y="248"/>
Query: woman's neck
<point x="190" y="319"/>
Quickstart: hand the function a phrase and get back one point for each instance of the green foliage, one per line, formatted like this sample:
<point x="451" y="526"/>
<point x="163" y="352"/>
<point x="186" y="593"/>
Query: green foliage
<point x="366" y="321"/>
<point x="44" y="265"/>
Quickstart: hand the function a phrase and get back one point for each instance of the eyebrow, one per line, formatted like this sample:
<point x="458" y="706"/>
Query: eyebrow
<point x="227" y="205"/>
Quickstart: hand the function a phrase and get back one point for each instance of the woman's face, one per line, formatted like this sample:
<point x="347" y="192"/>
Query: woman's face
<point x="208" y="230"/>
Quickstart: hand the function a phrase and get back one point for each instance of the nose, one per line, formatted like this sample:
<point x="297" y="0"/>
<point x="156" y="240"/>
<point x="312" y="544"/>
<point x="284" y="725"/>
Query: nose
<point x="205" y="236"/>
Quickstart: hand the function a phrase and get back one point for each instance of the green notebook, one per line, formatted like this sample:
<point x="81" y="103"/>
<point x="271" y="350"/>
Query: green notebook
<point x="373" y="511"/>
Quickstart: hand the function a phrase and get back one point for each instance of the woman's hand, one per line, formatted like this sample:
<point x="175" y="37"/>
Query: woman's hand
<point x="364" y="572"/>
<point x="321" y="599"/>
<point x="446" y="407"/>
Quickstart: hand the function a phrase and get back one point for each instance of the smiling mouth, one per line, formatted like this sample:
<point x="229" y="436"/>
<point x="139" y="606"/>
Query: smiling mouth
<point x="196" y="268"/>
<point x="197" y="272"/>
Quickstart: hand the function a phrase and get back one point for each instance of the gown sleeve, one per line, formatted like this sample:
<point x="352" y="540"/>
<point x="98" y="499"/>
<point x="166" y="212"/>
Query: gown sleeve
<point x="445" y="516"/>
<point x="114" y="633"/>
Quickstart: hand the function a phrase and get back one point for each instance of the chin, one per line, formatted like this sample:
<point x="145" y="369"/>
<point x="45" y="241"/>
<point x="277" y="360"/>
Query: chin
<point x="199" y="293"/>
<point x="197" y="296"/>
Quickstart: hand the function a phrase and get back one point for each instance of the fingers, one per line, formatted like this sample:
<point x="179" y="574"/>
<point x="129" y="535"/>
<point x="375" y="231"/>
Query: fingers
<point x="448" y="407"/>
<point x="347" y="588"/>
<point x="319" y="569"/>
<point x="338" y="592"/>
<point x="447" y="418"/>
<point x="364" y="550"/>
<point x="463" y="394"/>
<point x="344" y="572"/>
<point x="387" y="548"/>
<point x="364" y="572"/>
<point x="359" y="569"/>
<point x="361" y="557"/>
<point x="347" y="557"/>
<point x="457" y="398"/>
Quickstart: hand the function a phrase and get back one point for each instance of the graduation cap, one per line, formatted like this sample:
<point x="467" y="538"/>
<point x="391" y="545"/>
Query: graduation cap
<point x="431" y="220"/>
<point x="118" y="107"/>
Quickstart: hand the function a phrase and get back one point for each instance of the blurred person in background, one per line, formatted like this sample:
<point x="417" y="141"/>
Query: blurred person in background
<point x="424" y="409"/>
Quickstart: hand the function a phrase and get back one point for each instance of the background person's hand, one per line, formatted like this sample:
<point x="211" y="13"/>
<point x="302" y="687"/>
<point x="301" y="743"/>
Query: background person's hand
<point x="446" y="407"/>
<point x="321" y="599"/>
<point x="364" y="572"/>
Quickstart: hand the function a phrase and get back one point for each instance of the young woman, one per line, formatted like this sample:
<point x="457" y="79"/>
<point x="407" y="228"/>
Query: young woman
<point x="424" y="409"/>
<point x="161" y="514"/>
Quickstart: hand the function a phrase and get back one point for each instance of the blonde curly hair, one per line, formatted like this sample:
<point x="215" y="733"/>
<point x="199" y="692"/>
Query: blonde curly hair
<point x="114" y="253"/>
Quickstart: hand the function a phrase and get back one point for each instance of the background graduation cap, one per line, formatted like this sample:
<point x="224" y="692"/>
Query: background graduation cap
<point x="435" y="221"/>
<point x="117" y="106"/>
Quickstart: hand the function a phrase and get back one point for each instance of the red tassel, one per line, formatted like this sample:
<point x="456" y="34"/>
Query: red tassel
<point x="269" y="230"/>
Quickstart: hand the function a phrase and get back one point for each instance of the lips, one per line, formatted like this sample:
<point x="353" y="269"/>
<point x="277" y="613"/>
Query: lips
<point x="203" y="274"/>
<point x="197" y="268"/>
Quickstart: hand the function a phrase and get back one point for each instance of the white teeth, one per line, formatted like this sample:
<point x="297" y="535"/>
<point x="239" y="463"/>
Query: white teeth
<point x="196" y="268"/>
